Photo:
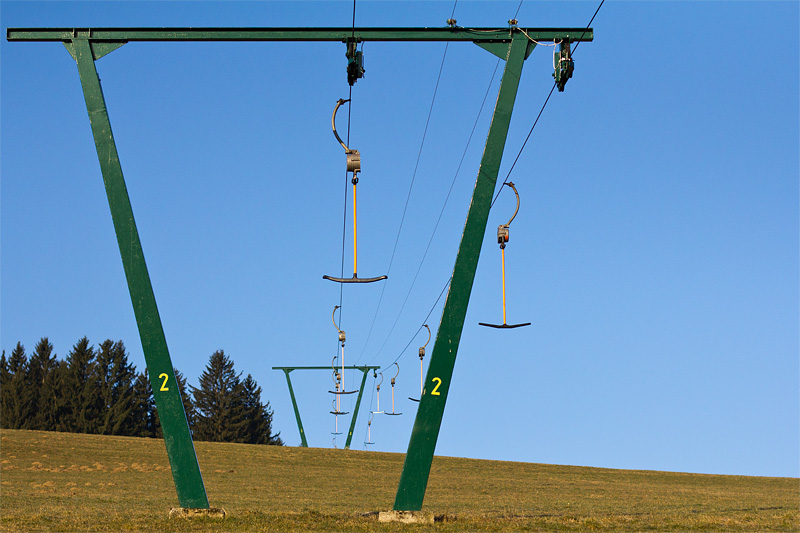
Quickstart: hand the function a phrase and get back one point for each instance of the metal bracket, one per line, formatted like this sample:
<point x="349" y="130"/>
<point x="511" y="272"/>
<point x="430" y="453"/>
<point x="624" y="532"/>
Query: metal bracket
<point x="99" y="48"/>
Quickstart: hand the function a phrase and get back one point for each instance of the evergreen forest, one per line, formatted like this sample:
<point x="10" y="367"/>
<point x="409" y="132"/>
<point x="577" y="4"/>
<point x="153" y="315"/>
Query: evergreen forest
<point x="97" y="390"/>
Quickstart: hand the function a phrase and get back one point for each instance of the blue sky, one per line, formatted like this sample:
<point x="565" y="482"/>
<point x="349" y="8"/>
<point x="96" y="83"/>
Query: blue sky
<point x="655" y="252"/>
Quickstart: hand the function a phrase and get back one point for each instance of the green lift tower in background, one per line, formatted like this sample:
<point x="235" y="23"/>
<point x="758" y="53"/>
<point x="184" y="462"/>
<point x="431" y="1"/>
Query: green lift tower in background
<point x="289" y="369"/>
<point x="512" y="44"/>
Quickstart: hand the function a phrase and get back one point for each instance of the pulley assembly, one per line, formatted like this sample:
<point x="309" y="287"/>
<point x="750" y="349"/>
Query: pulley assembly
<point x="563" y="64"/>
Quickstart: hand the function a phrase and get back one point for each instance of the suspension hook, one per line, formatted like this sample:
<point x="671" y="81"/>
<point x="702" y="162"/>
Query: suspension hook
<point x="333" y="123"/>
<point x="422" y="348"/>
<point x="379" y="392"/>
<point x="502" y="230"/>
<point x="341" y="333"/>
<point x="353" y="156"/>
<point x="511" y="184"/>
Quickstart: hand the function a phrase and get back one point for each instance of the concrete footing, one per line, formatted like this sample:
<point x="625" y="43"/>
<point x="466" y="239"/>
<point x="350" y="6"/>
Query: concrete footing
<point x="406" y="517"/>
<point x="186" y="512"/>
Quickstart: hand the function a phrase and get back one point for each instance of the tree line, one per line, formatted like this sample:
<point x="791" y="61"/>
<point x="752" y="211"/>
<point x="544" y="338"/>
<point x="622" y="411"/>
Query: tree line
<point x="98" y="391"/>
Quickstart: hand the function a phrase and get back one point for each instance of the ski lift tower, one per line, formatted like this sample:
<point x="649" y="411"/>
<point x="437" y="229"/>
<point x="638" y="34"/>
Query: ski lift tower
<point x="512" y="44"/>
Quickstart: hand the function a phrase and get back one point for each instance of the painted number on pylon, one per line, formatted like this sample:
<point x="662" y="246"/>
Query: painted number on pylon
<point x="164" y="387"/>
<point x="435" y="391"/>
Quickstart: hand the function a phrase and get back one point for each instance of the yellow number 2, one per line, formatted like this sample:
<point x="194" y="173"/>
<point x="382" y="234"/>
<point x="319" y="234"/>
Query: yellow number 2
<point x="164" y="387"/>
<point x="435" y="391"/>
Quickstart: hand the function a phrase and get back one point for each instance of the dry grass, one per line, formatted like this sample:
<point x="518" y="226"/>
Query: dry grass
<point x="68" y="482"/>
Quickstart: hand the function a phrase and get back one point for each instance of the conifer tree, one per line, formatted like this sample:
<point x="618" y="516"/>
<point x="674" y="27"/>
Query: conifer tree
<point x="144" y="412"/>
<point x="60" y="410"/>
<point x="15" y="408"/>
<point x="80" y="390"/>
<point x="5" y="380"/>
<point x="259" y="416"/>
<point x="220" y="402"/>
<point x="40" y="387"/>
<point x="115" y="377"/>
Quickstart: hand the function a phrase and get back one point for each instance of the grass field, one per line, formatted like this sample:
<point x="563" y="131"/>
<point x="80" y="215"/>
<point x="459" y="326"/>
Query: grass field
<point x="69" y="482"/>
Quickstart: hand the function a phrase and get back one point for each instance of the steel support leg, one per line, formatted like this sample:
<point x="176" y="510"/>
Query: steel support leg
<point x="303" y="441"/>
<point x="177" y="436"/>
<point x="414" y="479"/>
<point x="355" y="411"/>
